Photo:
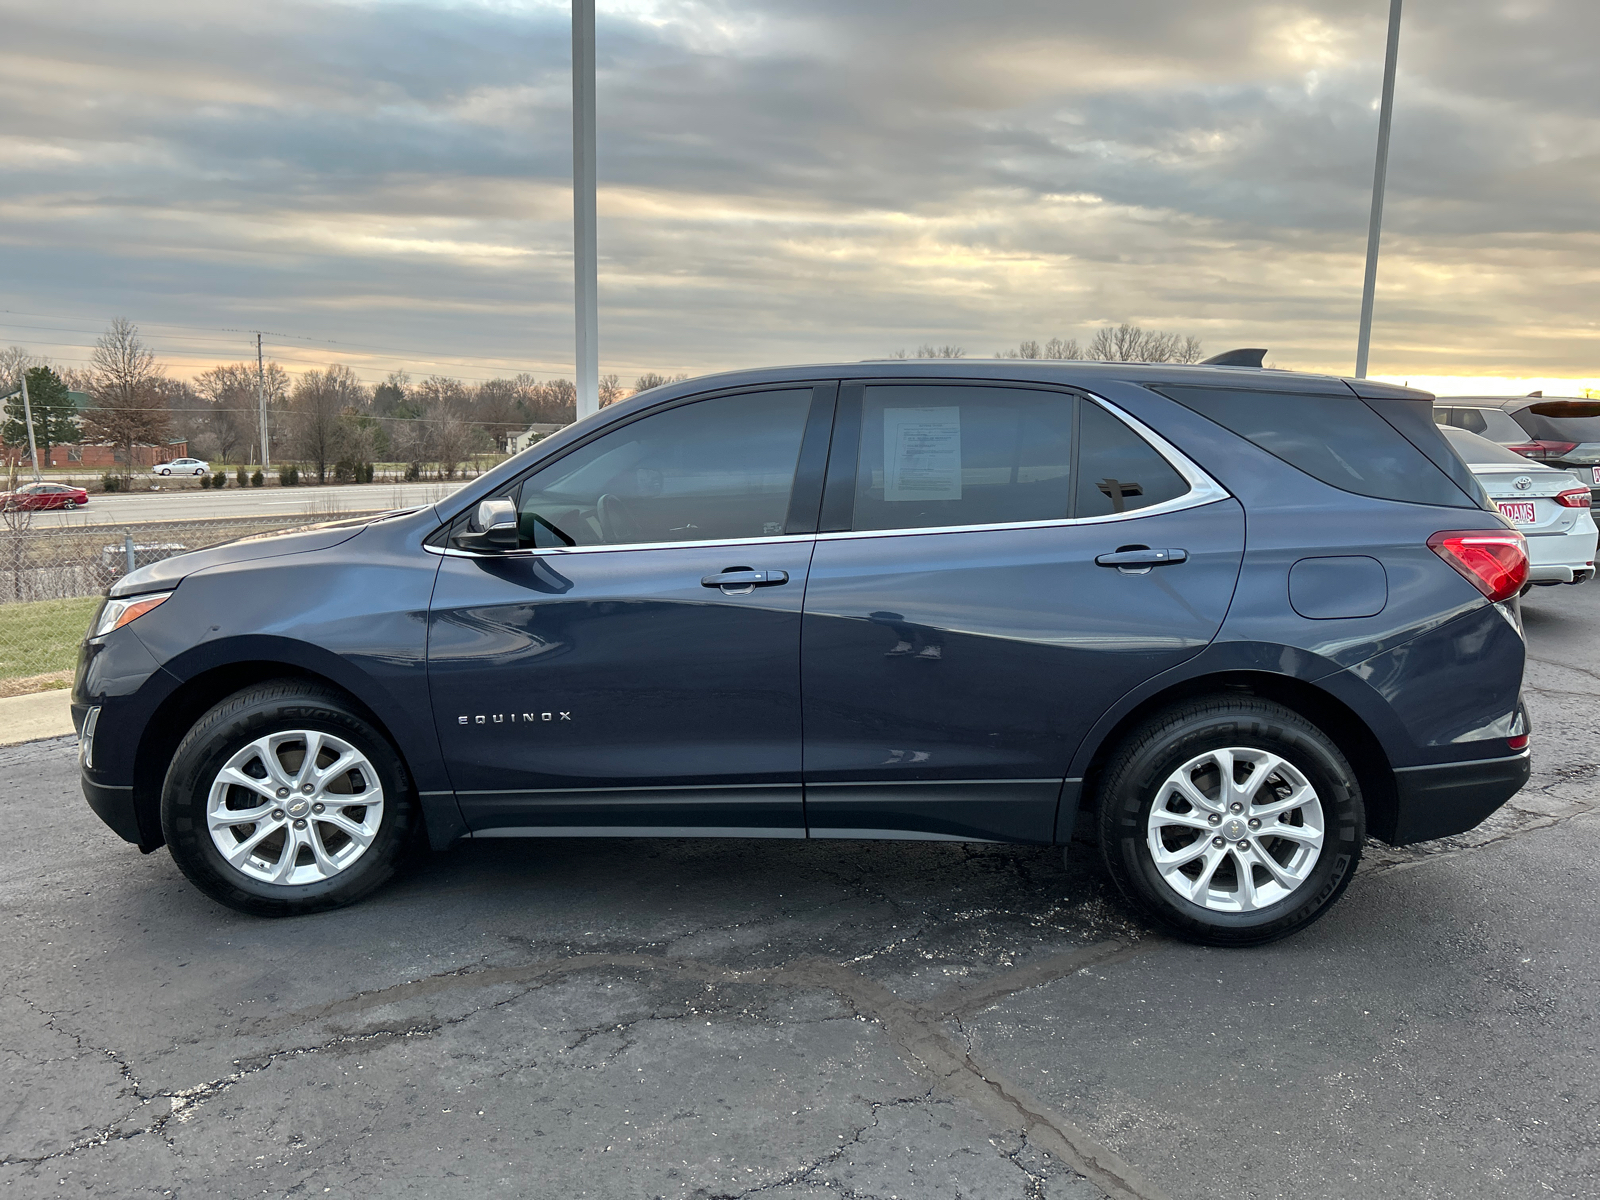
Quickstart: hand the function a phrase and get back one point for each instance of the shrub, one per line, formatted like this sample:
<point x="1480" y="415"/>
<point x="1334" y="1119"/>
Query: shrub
<point x="413" y="473"/>
<point x="110" y="482"/>
<point x="242" y="477"/>
<point x="289" y="476"/>
<point x="258" y="479"/>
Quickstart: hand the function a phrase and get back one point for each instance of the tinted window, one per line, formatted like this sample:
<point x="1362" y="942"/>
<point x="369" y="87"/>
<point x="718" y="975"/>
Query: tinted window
<point x="1470" y="419"/>
<point x="935" y="456"/>
<point x="713" y="469"/>
<point x="1562" y="420"/>
<point x="1118" y="471"/>
<point x="1340" y="441"/>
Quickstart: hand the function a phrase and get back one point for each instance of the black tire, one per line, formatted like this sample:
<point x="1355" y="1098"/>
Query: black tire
<point x="1134" y="778"/>
<point x="235" y="723"/>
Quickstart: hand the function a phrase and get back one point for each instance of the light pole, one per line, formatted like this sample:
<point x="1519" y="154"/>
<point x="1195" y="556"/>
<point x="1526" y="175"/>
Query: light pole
<point x="585" y="256"/>
<point x="1380" y="173"/>
<point x="27" y="417"/>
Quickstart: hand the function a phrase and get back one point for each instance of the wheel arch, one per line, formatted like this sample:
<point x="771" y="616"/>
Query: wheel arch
<point x="185" y="704"/>
<point x="1343" y="725"/>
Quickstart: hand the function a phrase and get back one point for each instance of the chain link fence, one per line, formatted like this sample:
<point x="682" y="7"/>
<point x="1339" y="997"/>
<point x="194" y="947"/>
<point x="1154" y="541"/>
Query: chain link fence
<point x="51" y="579"/>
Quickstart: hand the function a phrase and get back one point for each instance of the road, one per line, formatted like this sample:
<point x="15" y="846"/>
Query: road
<point x="726" y="1019"/>
<point x="198" y="505"/>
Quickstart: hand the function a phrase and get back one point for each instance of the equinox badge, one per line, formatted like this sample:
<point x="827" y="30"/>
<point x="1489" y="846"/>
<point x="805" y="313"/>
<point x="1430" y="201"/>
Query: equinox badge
<point x="500" y="718"/>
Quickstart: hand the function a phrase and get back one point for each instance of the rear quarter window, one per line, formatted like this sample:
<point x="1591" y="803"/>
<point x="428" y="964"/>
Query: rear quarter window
<point x="1339" y="440"/>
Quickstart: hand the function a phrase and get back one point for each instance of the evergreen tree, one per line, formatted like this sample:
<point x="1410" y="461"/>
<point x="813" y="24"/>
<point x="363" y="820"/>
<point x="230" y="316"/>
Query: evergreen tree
<point x="55" y="420"/>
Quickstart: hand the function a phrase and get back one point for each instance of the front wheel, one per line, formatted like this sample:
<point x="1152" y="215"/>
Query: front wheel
<point x="166" y="472"/>
<point x="1230" y="822"/>
<point x="283" y="800"/>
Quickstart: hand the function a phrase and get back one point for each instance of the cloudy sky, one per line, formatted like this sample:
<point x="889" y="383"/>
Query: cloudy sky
<point x="385" y="184"/>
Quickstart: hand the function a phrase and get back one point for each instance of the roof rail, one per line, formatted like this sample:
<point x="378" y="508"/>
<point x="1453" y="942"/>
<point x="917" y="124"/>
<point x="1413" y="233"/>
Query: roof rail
<point x="1236" y="358"/>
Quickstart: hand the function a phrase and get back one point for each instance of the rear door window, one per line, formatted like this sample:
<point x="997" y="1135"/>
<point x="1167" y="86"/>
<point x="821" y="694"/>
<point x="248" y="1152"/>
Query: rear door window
<point x="1339" y="440"/>
<point x="953" y="455"/>
<point x="936" y="456"/>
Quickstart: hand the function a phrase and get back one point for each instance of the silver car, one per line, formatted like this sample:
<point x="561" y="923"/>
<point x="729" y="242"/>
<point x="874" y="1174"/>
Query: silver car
<point x="1550" y="508"/>
<point x="181" y="466"/>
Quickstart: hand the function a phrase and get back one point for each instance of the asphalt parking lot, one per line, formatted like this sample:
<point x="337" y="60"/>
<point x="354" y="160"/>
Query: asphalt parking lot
<point x="868" y="1020"/>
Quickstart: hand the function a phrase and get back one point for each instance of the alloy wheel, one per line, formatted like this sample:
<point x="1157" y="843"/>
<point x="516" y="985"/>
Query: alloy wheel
<point x="294" y="807"/>
<point x="1235" y="829"/>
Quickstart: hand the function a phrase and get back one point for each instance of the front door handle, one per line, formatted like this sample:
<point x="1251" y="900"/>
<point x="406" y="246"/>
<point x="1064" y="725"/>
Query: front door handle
<point x="1142" y="556"/>
<point x="739" y="580"/>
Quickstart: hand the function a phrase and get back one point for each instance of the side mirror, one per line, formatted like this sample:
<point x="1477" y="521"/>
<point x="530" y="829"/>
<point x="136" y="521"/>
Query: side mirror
<point x="492" y="530"/>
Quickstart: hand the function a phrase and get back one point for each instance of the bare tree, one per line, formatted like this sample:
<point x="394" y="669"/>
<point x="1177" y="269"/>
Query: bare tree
<point x="555" y="402"/>
<point x="611" y="390"/>
<point x="234" y="418"/>
<point x="451" y="439"/>
<point x="14" y="360"/>
<point x="651" y="379"/>
<point x="318" y="403"/>
<point x="1130" y="343"/>
<point x="1055" y="348"/>
<point x="928" y="350"/>
<point x="438" y="392"/>
<point x="499" y="408"/>
<point x="128" y="408"/>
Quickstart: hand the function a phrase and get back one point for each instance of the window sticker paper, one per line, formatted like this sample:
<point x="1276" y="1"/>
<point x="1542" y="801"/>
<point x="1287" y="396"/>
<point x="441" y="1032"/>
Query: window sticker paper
<point x="922" y="453"/>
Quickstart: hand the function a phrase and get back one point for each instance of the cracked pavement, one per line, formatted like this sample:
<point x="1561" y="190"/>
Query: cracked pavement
<point x="723" y="1019"/>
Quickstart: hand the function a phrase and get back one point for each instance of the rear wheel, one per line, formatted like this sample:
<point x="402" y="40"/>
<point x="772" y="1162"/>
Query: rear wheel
<point x="1230" y="822"/>
<point x="283" y="800"/>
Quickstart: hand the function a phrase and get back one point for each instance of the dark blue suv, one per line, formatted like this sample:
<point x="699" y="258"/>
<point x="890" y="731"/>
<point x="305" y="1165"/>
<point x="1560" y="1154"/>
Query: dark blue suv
<point x="1226" y="622"/>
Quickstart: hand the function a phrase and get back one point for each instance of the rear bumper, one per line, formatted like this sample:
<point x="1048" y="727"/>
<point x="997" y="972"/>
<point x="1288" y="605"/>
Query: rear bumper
<point x="1437" y="801"/>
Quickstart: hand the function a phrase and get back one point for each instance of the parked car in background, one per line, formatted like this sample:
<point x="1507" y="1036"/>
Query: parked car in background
<point x="1551" y="508"/>
<point x="44" y="495"/>
<point x="1558" y="431"/>
<point x="181" y="466"/>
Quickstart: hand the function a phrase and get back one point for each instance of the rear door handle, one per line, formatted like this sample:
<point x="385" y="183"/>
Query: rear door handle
<point x="1143" y="556"/>
<point x="744" y="578"/>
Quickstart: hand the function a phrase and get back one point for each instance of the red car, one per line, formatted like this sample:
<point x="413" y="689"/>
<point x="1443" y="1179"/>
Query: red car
<point x="44" y="495"/>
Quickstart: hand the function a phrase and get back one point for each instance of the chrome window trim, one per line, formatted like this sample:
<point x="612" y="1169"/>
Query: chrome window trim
<point x="1202" y="490"/>
<point x="558" y="551"/>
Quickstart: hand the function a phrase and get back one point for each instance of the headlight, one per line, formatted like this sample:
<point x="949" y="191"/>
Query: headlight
<point x="118" y="613"/>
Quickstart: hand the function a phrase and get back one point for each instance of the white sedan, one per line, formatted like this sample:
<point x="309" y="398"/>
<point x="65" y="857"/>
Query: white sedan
<point x="181" y="466"/>
<point x="1549" y="507"/>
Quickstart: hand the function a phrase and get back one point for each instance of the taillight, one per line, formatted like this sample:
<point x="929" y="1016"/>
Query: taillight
<point x="1493" y="561"/>
<point x="1575" y="498"/>
<point x="1556" y="449"/>
<point x="1528" y="449"/>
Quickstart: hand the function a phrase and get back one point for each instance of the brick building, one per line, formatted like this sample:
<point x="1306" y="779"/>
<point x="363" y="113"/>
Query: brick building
<point x="104" y="456"/>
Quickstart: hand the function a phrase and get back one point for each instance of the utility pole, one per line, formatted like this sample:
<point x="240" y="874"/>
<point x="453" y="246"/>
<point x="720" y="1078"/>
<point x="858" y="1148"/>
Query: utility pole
<point x="261" y="403"/>
<point x="27" y="415"/>
<point x="1380" y="172"/>
<point x="585" y="256"/>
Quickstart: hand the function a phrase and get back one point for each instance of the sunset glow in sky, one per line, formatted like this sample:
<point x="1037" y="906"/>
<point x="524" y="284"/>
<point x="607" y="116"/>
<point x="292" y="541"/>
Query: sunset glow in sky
<point x="384" y="184"/>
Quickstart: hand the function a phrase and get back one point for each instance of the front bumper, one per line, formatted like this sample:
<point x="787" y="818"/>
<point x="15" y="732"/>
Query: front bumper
<point x="1437" y="801"/>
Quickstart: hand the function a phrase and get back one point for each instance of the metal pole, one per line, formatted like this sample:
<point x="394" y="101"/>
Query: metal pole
<point x="1380" y="174"/>
<point x="27" y="415"/>
<point x="261" y="403"/>
<point x="128" y="552"/>
<point x="585" y="255"/>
